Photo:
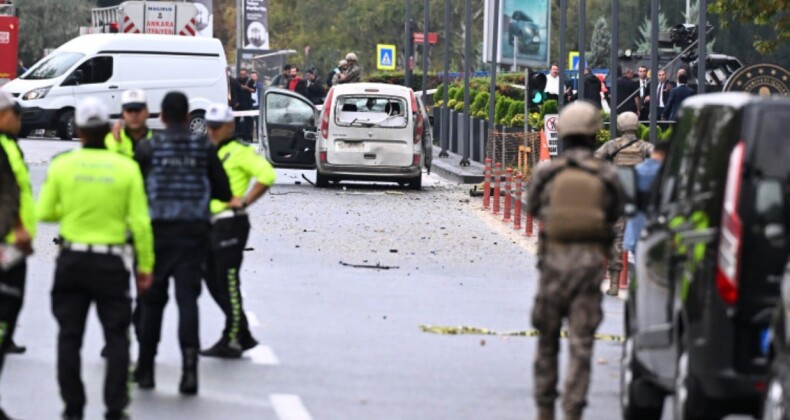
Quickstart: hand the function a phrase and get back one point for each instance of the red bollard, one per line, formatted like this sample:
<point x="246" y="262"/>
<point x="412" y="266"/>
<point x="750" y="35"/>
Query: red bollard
<point x="508" y="193"/>
<point x="497" y="191"/>
<point x="517" y="212"/>
<point x="624" y="271"/>
<point x="487" y="184"/>
<point x="529" y="226"/>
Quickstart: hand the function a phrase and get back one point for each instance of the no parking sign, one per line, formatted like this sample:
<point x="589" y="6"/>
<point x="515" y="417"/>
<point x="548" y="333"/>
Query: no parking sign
<point x="550" y="128"/>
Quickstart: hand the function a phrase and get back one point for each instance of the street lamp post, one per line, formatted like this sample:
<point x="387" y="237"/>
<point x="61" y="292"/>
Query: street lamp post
<point x="407" y="70"/>
<point x="445" y="137"/>
<point x="582" y="47"/>
<point x="653" y="68"/>
<point x="613" y="66"/>
<point x="426" y="15"/>
<point x="467" y="62"/>
<point x="702" y="53"/>
<point x="494" y="52"/>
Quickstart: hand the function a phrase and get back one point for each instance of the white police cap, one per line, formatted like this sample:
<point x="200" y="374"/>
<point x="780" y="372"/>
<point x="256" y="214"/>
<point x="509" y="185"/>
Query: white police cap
<point x="133" y="99"/>
<point x="91" y="113"/>
<point x="219" y="113"/>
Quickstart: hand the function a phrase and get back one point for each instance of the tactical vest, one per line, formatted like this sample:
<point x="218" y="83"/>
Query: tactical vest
<point x="577" y="200"/>
<point x="630" y="154"/>
<point x="178" y="186"/>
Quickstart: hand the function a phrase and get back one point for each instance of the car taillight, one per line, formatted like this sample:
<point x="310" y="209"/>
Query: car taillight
<point x="325" y="114"/>
<point x="728" y="263"/>
<point x="418" y="120"/>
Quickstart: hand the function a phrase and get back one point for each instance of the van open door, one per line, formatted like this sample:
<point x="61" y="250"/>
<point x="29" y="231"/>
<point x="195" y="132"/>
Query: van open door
<point x="288" y="129"/>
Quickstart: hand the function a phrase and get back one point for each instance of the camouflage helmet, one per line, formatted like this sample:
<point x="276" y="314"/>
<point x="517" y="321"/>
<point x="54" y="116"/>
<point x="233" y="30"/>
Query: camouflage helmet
<point x="342" y="63"/>
<point x="627" y="121"/>
<point x="351" y="57"/>
<point x="579" y="118"/>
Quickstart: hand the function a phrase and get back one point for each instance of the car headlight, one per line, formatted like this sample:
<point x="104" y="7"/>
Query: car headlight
<point x="36" y="93"/>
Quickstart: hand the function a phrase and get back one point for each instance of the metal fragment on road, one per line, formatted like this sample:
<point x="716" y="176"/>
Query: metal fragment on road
<point x="378" y="266"/>
<point x="467" y="330"/>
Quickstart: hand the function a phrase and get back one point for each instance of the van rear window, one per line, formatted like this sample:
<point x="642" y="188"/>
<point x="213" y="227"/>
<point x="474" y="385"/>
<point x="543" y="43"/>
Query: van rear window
<point x="371" y="111"/>
<point x="772" y="145"/>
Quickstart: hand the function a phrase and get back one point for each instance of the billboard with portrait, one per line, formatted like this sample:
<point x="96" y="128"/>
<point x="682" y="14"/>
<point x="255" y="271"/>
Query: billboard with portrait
<point x="256" y="25"/>
<point x="263" y="62"/>
<point x="205" y="17"/>
<point x="524" y="32"/>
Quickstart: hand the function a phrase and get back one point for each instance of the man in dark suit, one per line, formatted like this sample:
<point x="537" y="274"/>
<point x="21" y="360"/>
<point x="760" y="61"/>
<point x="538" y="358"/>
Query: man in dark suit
<point x="676" y="97"/>
<point x="626" y="86"/>
<point x="662" y="92"/>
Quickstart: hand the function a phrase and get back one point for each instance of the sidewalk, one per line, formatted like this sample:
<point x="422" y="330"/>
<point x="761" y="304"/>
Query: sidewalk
<point x="450" y="168"/>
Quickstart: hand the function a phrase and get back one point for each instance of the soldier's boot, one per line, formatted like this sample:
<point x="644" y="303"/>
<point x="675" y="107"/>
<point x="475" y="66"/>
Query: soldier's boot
<point x="614" y="283"/>
<point x="545" y="413"/>
<point x="189" y="373"/>
<point x="144" y="372"/>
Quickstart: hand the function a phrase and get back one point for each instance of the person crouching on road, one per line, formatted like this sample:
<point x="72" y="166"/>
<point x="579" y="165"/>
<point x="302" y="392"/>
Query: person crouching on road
<point x="96" y="195"/>
<point x="231" y="229"/>
<point x="182" y="174"/>
<point x="578" y="198"/>
<point x="126" y="135"/>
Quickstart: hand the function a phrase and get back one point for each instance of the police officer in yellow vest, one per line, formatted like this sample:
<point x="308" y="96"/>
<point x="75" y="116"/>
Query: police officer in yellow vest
<point x="231" y="229"/>
<point x="19" y="240"/>
<point x="97" y="196"/>
<point x="125" y="137"/>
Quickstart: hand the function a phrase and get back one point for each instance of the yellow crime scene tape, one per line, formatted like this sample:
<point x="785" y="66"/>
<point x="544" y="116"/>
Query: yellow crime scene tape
<point x="467" y="330"/>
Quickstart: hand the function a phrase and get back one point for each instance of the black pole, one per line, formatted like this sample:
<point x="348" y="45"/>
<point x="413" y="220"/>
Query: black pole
<point x="653" y="69"/>
<point x="494" y="52"/>
<point x="562" y="64"/>
<point x="613" y="66"/>
<point x="407" y="69"/>
<point x="445" y="137"/>
<point x="425" y="51"/>
<point x="467" y="62"/>
<point x="582" y="46"/>
<point x="702" y="55"/>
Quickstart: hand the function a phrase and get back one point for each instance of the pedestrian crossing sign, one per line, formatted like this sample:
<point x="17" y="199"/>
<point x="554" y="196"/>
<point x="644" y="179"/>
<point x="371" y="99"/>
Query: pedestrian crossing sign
<point x="385" y="57"/>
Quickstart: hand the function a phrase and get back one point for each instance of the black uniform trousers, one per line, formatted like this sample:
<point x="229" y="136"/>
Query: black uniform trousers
<point x="12" y="291"/>
<point x="180" y="255"/>
<point x="82" y="278"/>
<point x="223" y="267"/>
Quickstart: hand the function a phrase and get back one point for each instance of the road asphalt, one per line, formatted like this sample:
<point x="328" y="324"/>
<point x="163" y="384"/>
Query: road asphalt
<point x="339" y="340"/>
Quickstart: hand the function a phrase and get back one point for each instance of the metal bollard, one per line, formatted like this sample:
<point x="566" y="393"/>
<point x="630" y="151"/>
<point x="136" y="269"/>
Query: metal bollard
<point x="508" y="193"/>
<point x="497" y="191"/>
<point x="487" y="184"/>
<point x="517" y="212"/>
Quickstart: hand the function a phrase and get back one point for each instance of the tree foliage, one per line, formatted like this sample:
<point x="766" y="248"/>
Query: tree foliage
<point x="45" y="24"/>
<point x="600" y="45"/>
<point x="774" y="14"/>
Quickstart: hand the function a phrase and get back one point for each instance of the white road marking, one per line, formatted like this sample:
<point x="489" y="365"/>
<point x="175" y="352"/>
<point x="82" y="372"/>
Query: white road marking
<point x="262" y="355"/>
<point x="289" y="407"/>
<point x="252" y="319"/>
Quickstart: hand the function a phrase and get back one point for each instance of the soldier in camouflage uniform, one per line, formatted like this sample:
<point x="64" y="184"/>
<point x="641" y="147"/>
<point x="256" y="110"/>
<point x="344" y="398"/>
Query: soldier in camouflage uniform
<point x="630" y="151"/>
<point x="354" y="72"/>
<point x="578" y="198"/>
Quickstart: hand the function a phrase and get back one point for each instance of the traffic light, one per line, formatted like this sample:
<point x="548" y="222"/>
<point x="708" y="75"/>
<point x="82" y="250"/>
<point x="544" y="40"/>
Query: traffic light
<point x="536" y="87"/>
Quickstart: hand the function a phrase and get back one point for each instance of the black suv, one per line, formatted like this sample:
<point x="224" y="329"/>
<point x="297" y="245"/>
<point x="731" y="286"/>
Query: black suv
<point x="709" y="262"/>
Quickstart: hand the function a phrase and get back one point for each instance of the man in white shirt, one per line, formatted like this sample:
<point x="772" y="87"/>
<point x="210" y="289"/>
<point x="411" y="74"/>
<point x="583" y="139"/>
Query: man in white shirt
<point x="553" y="83"/>
<point x="644" y="93"/>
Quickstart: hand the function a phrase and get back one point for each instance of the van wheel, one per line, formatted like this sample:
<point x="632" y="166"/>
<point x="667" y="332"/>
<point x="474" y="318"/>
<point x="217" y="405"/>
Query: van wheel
<point x="197" y="123"/>
<point x="416" y="183"/>
<point x="688" y="402"/>
<point x="639" y="399"/>
<point x="65" y="128"/>
<point x="321" y="181"/>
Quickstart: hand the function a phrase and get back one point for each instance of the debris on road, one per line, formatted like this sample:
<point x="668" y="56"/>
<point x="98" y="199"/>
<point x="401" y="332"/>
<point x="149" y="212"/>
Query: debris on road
<point x="466" y="330"/>
<point x="378" y="266"/>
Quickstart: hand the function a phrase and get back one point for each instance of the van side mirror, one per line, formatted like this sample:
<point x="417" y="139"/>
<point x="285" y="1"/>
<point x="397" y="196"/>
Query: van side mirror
<point x="627" y="177"/>
<point x="770" y="208"/>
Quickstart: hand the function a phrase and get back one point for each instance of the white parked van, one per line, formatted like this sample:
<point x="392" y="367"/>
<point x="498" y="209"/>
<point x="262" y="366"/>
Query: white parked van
<point x="104" y="65"/>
